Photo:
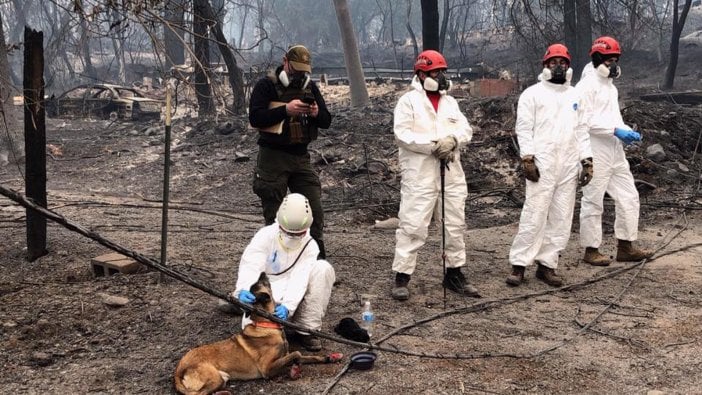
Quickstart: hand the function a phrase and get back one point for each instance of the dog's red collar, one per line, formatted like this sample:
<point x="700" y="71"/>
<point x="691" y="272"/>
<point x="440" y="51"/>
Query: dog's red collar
<point x="267" y="324"/>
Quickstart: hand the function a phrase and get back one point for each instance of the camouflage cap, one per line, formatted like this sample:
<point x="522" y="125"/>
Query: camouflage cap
<point x="299" y="58"/>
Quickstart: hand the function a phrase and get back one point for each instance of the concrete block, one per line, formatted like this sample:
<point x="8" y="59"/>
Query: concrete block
<point x="113" y="263"/>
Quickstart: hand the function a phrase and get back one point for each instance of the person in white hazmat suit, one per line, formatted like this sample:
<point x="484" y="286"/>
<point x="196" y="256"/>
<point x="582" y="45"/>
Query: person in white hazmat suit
<point x="608" y="135"/>
<point x="286" y="252"/>
<point x="429" y="128"/>
<point x="553" y="153"/>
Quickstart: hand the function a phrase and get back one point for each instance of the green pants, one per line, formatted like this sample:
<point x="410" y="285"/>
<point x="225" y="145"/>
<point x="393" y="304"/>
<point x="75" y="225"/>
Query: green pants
<point x="278" y="171"/>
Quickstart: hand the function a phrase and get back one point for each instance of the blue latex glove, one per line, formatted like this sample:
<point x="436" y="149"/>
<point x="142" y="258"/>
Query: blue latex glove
<point x="246" y="297"/>
<point x="281" y="312"/>
<point x="627" y="136"/>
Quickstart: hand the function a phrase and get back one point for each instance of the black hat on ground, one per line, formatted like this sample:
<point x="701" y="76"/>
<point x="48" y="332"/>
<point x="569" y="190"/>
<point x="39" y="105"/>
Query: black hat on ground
<point x="349" y="329"/>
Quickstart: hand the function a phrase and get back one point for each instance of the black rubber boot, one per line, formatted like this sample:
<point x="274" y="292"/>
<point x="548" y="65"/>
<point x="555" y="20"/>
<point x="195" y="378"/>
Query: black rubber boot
<point x="400" y="291"/>
<point x="455" y="281"/>
<point x="517" y="276"/>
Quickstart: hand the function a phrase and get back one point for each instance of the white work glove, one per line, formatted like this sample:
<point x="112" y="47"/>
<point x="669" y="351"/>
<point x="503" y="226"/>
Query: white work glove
<point x="444" y="148"/>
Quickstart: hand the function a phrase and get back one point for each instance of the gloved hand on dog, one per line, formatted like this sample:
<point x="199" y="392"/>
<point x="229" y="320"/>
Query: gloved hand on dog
<point x="246" y="297"/>
<point x="627" y="136"/>
<point x="281" y="312"/>
<point x="444" y="147"/>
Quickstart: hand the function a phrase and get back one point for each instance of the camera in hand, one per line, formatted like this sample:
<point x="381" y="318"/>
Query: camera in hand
<point x="308" y="99"/>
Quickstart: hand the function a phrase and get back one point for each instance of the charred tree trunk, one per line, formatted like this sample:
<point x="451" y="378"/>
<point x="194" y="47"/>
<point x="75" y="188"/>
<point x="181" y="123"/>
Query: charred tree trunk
<point x="11" y="146"/>
<point x="89" y="69"/>
<point x="240" y="43"/>
<point x="118" y="45"/>
<point x="577" y="20"/>
<point x="173" y="36"/>
<point x="357" y="81"/>
<point x="236" y="80"/>
<point x="583" y="36"/>
<point x="444" y="25"/>
<point x="409" y="29"/>
<point x="570" y="27"/>
<point x="678" y="25"/>
<point x="35" y="140"/>
<point x="430" y="24"/>
<point x="261" y="33"/>
<point x="203" y="89"/>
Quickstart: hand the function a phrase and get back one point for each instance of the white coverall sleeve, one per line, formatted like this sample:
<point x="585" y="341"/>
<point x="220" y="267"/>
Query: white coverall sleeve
<point x="524" y="127"/>
<point x="463" y="132"/>
<point x="582" y="136"/>
<point x="402" y="128"/>
<point x="253" y="262"/>
<point x="592" y="122"/>
<point x="298" y="281"/>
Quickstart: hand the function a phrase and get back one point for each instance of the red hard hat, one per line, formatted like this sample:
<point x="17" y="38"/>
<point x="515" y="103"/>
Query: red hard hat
<point x="556" y="51"/>
<point x="430" y="60"/>
<point x="606" y="46"/>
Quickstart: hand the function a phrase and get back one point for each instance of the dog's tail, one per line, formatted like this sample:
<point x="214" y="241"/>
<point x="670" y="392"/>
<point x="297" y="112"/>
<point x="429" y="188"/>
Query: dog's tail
<point x="201" y="381"/>
<point x="178" y="381"/>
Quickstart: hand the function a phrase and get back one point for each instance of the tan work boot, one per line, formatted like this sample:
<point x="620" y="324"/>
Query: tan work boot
<point x="516" y="277"/>
<point x="593" y="257"/>
<point x="626" y="252"/>
<point x="400" y="291"/>
<point x="548" y="275"/>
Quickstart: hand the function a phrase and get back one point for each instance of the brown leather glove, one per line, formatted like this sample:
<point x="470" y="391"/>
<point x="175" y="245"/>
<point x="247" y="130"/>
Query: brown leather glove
<point x="444" y="148"/>
<point x="531" y="172"/>
<point x="586" y="173"/>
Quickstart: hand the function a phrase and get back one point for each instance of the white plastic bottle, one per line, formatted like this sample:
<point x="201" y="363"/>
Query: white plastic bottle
<point x="367" y="318"/>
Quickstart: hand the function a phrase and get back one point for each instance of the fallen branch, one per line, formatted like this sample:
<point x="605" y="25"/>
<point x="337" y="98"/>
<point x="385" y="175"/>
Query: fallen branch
<point x="627" y="340"/>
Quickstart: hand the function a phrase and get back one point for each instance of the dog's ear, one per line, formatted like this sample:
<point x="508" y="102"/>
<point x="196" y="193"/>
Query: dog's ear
<point x="263" y="279"/>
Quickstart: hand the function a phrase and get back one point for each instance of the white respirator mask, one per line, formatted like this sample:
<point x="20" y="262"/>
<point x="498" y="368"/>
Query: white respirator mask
<point x="613" y="71"/>
<point x="290" y="242"/>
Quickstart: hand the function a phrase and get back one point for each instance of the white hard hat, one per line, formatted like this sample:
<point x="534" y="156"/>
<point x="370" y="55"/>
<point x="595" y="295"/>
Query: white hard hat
<point x="295" y="214"/>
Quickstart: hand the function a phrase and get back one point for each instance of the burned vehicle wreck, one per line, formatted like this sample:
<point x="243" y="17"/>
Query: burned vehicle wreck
<point x="104" y="101"/>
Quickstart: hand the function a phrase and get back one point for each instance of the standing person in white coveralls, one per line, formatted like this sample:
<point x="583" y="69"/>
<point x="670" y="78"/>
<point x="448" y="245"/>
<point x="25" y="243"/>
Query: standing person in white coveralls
<point x="429" y="127"/>
<point x="553" y="153"/>
<point x="608" y="134"/>
<point x="300" y="282"/>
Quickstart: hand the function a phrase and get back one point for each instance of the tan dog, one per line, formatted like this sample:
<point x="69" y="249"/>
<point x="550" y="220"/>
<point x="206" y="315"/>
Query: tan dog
<point x="259" y="351"/>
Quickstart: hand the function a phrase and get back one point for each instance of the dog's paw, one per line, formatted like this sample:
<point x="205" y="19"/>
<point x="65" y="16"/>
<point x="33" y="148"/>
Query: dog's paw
<point x="295" y="371"/>
<point x="334" y="357"/>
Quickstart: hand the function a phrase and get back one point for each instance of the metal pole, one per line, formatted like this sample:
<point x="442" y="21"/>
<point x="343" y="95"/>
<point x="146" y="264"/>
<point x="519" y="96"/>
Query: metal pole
<point x="166" y="184"/>
<point x="442" y="167"/>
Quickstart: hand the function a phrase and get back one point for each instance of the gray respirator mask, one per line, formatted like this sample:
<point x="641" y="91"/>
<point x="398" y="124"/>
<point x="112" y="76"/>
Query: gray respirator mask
<point x="558" y="75"/>
<point x="296" y="81"/>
